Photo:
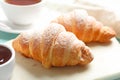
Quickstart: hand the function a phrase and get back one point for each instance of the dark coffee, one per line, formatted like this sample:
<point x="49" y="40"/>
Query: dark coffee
<point x="5" y="54"/>
<point x="22" y="2"/>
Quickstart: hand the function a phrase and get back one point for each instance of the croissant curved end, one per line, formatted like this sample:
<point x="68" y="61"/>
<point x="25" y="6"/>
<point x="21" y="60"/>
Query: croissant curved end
<point x="86" y="56"/>
<point x="108" y="34"/>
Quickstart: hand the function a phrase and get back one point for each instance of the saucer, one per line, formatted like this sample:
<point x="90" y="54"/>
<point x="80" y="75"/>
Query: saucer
<point x="44" y="18"/>
<point x="6" y="26"/>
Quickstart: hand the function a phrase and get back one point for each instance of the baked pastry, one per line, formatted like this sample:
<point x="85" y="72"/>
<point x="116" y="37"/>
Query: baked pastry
<point x="85" y="27"/>
<point x="53" y="46"/>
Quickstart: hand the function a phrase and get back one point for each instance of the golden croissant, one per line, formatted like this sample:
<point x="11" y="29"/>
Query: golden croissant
<point x="53" y="46"/>
<point x="85" y="27"/>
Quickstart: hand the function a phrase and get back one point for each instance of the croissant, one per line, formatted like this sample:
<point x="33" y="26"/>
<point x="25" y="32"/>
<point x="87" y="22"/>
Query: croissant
<point x="53" y="46"/>
<point x="85" y="27"/>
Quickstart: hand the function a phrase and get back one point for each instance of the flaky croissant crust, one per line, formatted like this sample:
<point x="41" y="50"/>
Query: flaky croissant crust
<point x="53" y="46"/>
<point x="85" y="27"/>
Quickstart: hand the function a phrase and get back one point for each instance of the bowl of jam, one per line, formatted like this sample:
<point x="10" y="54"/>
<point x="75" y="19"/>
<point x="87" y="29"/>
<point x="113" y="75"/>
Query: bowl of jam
<point x="7" y="61"/>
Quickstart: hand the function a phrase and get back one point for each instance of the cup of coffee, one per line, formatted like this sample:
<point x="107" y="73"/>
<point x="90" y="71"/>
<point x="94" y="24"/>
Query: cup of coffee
<point x="7" y="61"/>
<point x="22" y="12"/>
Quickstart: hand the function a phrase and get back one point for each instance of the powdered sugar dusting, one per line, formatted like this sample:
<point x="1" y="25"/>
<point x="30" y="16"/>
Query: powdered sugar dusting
<point x="79" y="16"/>
<point x="26" y="36"/>
<point x="64" y="39"/>
<point x="51" y="32"/>
<point x="67" y="20"/>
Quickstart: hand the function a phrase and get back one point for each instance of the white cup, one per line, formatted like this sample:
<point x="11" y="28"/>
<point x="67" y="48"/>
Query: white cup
<point x="6" y="68"/>
<point x="21" y="14"/>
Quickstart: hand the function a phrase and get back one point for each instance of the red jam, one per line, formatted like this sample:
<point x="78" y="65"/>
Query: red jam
<point x="5" y="54"/>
